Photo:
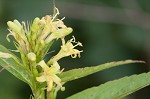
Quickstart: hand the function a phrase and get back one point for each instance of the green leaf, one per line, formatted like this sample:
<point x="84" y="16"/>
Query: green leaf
<point x="14" y="67"/>
<point x="82" y="72"/>
<point x="47" y="48"/>
<point x="116" y="89"/>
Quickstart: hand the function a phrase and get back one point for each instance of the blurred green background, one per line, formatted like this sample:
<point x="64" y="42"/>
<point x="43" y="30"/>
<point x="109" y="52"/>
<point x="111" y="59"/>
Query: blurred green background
<point x="110" y="30"/>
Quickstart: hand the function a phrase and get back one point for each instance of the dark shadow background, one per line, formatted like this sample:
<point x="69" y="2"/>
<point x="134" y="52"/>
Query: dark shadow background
<point x="110" y="30"/>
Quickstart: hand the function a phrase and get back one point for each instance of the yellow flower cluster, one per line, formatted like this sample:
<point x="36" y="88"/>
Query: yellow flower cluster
<point x="32" y="41"/>
<point x="49" y="74"/>
<point x="36" y="37"/>
<point x="67" y="49"/>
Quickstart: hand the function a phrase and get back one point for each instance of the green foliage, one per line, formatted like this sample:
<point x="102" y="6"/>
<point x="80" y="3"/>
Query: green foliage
<point x="46" y="79"/>
<point x="115" y="89"/>
<point x="14" y="67"/>
<point x="81" y="72"/>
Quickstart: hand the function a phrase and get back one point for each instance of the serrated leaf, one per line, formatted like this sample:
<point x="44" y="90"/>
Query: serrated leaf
<point x="116" y="89"/>
<point x="17" y="69"/>
<point x="82" y="72"/>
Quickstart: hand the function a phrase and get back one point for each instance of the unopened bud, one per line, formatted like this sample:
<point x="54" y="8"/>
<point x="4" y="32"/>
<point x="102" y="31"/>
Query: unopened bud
<point x="14" y="27"/>
<point x="42" y="42"/>
<point x="17" y="23"/>
<point x="31" y="56"/>
<point x="35" y="25"/>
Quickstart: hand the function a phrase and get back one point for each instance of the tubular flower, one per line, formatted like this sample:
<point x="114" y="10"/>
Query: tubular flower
<point x="37" y="36"/>
<point x="49" y="75"/>
<point x="33" y="41"/>
<point x="67" y="49"/>
<point x="54" y="29"/>
<point x="59" y="30"/>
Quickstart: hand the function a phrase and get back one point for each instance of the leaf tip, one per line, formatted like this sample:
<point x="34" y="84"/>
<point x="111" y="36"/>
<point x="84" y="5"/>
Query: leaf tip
<point x="139" y="61"/>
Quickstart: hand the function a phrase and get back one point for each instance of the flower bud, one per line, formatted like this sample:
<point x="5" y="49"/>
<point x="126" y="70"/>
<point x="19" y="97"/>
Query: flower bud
<point x="17" y="23"/>
<point x="31" y="56"/>
<point x="14" y="27"/>
<point x="35" y="25"/>
<point x="35" y="28"/>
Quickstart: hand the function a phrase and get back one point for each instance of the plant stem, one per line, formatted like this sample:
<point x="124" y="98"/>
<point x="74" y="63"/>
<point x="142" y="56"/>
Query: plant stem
<point x="50" y="95"/>
<point x="39" y="94"/>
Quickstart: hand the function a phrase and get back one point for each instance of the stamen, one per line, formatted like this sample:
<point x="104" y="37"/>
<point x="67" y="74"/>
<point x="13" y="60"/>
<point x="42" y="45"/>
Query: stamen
<point x="62" y="19"/>
<point x="57" y="13"/>
<point x="7" y="37"/>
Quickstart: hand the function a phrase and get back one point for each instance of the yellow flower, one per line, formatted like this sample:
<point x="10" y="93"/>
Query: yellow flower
<point x="58" y="30"/>
<point x="67" y="49"/>
<point x="54" y="28"/>
<point x="49" y="75"/>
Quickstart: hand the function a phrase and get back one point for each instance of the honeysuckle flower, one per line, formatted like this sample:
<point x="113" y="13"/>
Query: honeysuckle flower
<point x="59" y="33"/>
<point x="54" y="30"/>
<point x="36" y="36"/>
<point x="49" y="75"/>
<point x="67" y="49"/>
<point x="58" y="24"/>
<point x="47" y="28"/>
<point x="33" y="40"/>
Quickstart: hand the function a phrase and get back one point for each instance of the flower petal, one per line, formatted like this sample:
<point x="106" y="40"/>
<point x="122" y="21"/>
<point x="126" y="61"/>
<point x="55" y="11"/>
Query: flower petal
<point x="57" y="80"/>
<point x="41" y="79"/>
<point x="43" y="64"/>
<point x="49" y="85"/>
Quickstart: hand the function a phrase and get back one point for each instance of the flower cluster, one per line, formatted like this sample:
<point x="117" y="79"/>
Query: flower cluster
<point x="37" y="36"/>
<point x="67" y="49"/>
<point x="33" y="41"/>
<point x="49" y="74"/>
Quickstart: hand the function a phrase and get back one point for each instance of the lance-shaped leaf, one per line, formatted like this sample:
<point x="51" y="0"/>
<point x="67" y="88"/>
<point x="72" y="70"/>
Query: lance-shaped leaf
<point x="13" y="66"/>
<point x="116" y="89"/>
<point x="82" y="72"/>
